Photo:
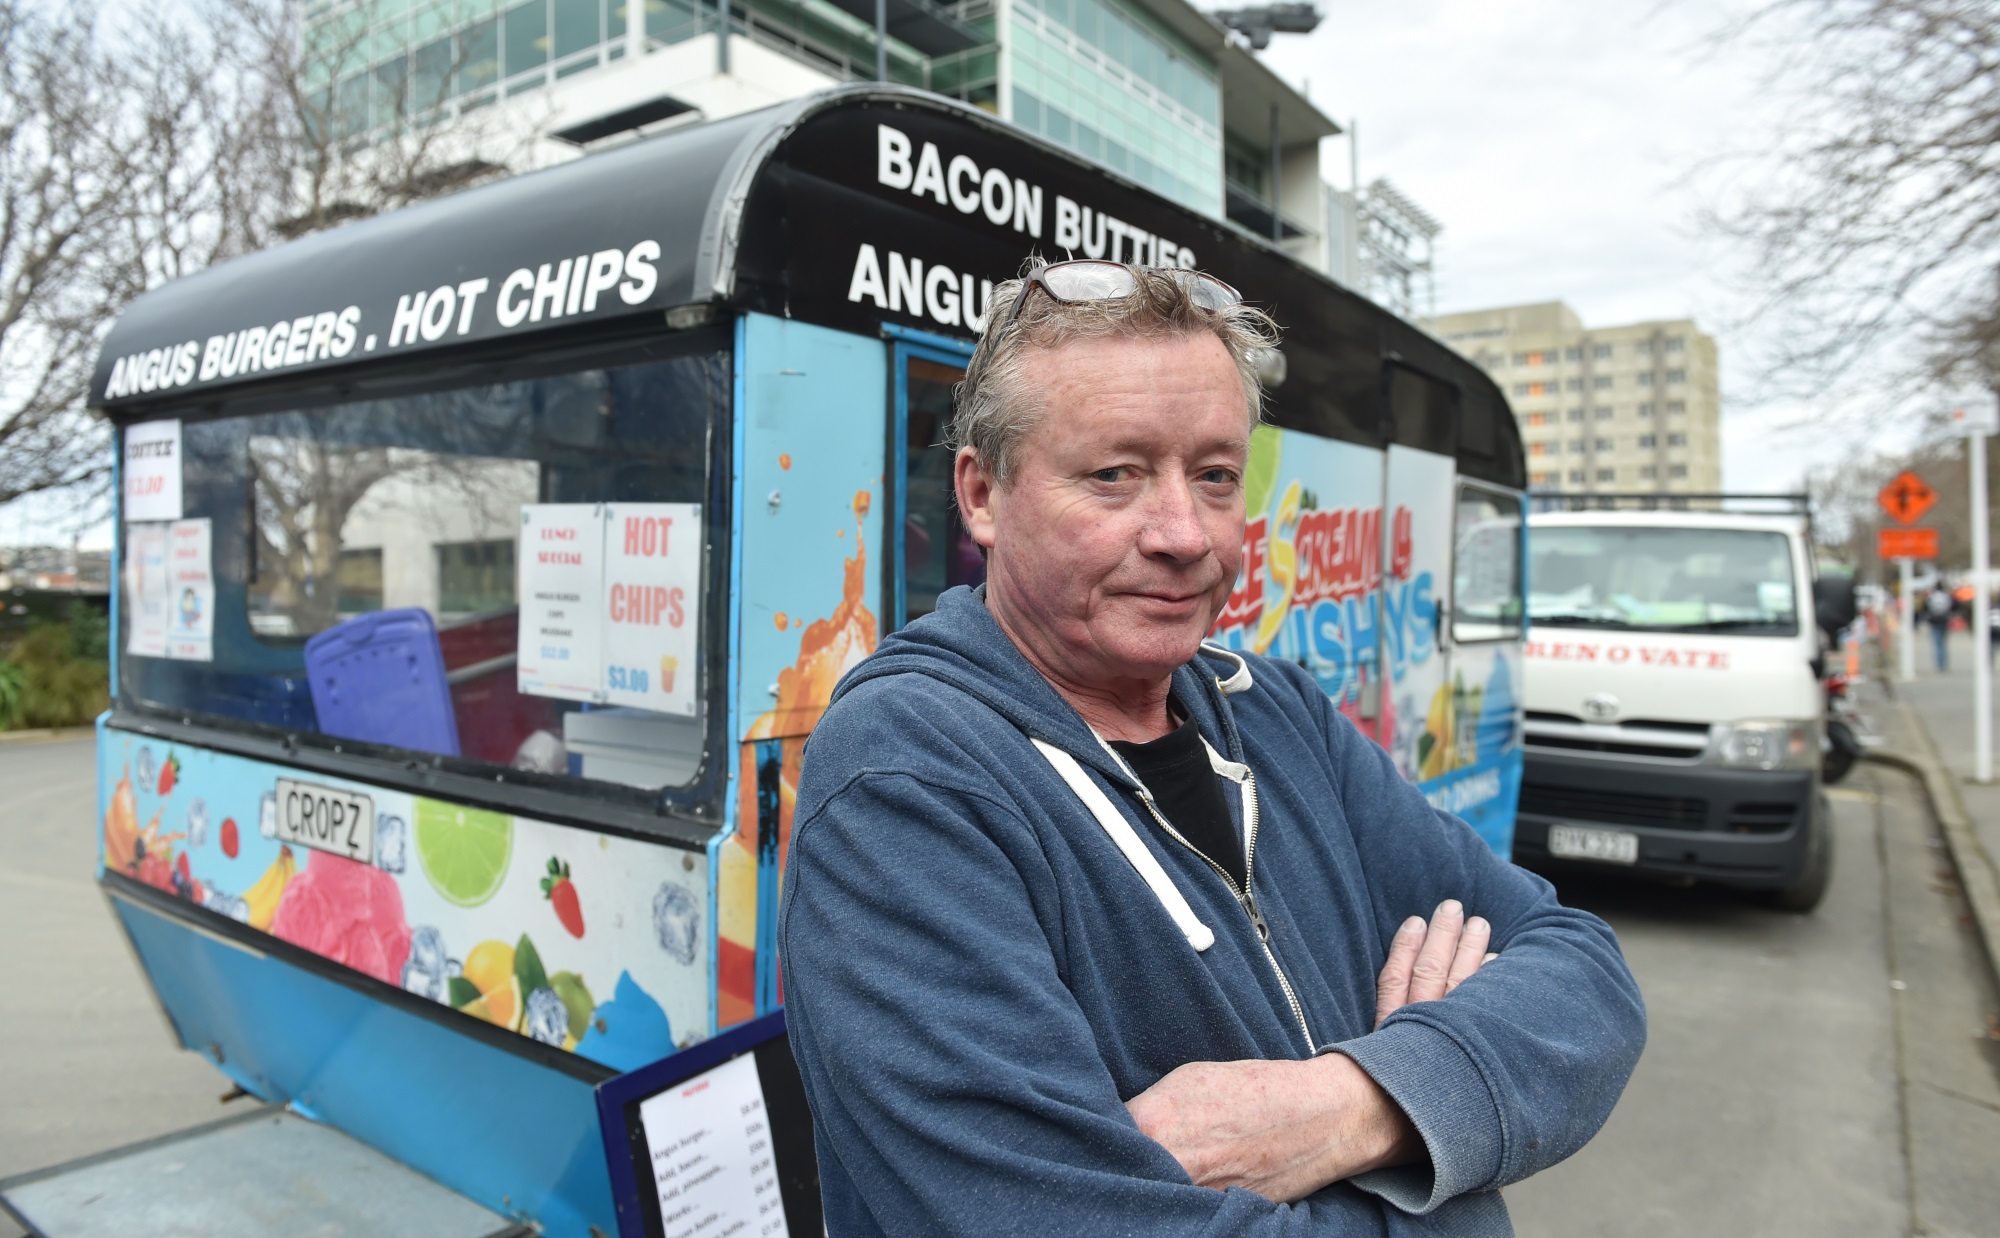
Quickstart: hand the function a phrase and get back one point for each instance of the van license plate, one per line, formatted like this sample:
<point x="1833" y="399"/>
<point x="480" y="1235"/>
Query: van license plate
<point x="1576" y="842"/>
<point x="327" y="819"/>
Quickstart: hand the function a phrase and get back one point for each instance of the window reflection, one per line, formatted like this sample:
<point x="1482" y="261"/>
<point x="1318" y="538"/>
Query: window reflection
<point x="937" y="551"/>
<point x="394" y="525"/>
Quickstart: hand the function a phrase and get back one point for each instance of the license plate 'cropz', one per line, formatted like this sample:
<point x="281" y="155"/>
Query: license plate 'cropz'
<point x="327" y="819"/>
<point x="1576" y="842"/>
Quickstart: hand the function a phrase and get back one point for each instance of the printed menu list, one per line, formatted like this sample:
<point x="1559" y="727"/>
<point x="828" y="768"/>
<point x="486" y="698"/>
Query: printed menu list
<point x="713" y="1166"/>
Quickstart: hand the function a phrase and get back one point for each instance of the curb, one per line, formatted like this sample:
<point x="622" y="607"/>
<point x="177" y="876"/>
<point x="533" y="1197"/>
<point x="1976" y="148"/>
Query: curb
<point x="1976" y="875"/>
<point x="41" y="735"/>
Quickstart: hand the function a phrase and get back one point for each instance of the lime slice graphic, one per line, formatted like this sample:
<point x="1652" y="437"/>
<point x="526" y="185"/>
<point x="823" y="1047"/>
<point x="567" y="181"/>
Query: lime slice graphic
<point x="464" y="851"/>
<point x="1260" y="472"/>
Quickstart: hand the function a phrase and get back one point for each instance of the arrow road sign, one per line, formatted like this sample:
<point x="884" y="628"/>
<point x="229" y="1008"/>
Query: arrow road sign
<point x="1907" y="498"/>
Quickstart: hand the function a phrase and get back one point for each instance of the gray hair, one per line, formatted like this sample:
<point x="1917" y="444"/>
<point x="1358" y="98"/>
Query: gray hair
<point x="996" y="407"/>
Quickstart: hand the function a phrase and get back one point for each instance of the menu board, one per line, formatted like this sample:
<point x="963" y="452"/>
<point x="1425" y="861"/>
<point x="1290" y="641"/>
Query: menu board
<point x="610" y="603"/>
<point x="714" y="1169"/>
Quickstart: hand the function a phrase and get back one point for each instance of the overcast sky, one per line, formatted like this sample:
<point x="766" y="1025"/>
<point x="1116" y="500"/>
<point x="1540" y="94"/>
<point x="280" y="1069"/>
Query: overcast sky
<point x="1566" y="146"/>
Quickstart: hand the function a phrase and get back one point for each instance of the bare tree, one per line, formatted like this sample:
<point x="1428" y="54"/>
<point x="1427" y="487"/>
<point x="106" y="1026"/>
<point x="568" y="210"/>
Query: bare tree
<point x="335" y="133"/>
<point x="195" y="132"/>
<point x="110" y="182"/>
<point x="1874" y="232"/>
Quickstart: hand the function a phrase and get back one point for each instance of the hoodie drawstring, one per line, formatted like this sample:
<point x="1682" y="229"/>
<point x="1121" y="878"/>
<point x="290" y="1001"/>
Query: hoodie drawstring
<point x="1198" y="935"/>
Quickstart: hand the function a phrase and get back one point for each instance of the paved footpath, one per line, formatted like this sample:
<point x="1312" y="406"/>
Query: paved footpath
<point x="1942" y="701"/>
<point x="1830" y="1074"/>
<point x="87" y="1061"/>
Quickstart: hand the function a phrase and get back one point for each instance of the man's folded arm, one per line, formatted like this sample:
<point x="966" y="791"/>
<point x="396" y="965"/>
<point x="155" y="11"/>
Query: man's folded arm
<point x="1522" y="1063"/>
<point x="954" y="1076"/>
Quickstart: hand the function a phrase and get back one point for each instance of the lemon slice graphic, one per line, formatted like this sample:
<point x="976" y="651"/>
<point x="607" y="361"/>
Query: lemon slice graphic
<point x="464" y="851"/>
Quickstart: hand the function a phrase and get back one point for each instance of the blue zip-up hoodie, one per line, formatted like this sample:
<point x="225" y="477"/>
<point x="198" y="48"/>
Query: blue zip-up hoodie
<point x="977" y="978"/>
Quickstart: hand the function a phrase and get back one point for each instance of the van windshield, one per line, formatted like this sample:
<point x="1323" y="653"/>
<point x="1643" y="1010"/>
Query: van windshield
<point x="1730" y="581"/>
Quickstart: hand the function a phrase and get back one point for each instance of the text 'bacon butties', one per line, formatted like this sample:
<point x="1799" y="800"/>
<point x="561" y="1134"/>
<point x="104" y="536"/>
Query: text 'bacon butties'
<point x="905" y="283"/>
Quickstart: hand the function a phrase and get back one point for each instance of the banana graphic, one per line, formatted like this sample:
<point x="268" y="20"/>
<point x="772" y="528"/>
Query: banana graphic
<point x="1281" y="563"/>
<point x="262" y="898"/>
<point x="1438" y="758"/>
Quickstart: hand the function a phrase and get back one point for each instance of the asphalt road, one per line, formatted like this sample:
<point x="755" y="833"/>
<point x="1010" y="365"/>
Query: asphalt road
<point x="1830" y="1075"/>
<point x="1789" y="1087"/>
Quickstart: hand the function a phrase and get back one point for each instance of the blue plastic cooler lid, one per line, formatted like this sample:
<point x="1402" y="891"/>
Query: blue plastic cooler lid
<point x="380" y="677"/>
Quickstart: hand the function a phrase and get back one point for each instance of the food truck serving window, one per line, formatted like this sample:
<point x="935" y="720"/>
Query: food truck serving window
<point x="511" y="573"/>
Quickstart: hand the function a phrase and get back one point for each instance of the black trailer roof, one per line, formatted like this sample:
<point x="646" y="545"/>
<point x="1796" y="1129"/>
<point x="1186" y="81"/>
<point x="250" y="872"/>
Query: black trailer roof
<point x="853" y="208"/>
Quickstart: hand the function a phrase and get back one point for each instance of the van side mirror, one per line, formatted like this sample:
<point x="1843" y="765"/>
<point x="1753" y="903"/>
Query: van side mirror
<point x="1834" y="603"/>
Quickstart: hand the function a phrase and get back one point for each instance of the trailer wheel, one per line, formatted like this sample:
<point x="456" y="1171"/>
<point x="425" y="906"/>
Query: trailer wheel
<point x="1805" y="893"/>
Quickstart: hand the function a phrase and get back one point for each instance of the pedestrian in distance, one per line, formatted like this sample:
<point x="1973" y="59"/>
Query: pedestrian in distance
<point x="1092" y="928"/>
<point x="1938" y="607"/>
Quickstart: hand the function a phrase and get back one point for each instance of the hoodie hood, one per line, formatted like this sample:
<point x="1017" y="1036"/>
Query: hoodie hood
<point x="960" y="643"/>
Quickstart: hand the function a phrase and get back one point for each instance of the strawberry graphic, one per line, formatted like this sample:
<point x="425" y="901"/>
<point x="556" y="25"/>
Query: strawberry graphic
<point x="561" y="893"/>
<point x="168" y="773"/>
<point x="229" y="842"/>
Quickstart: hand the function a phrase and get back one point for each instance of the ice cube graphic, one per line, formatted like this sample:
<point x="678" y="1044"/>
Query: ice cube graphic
<point x="211" y="896"/>
<point x="547" y="1019"/>
<point x="677" y="922"/>
<point x="267" y="815"/>
<point x="427" y="968"/>
<point x="392" y="844"/>
<point x="147" y="766"/>
<point x="197" y="823"/>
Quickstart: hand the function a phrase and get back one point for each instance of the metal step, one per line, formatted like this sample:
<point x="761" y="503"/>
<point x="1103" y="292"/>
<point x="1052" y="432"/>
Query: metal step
<point x="268" y="1172"/>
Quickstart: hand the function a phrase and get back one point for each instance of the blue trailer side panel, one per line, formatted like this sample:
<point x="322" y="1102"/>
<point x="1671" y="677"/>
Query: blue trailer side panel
<point x="519" y="1137"/>
<point x="812" y="433"/>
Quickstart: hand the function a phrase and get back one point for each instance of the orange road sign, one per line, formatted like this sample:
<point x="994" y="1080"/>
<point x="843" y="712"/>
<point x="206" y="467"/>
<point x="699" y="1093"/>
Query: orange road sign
<point x="1906" y="499"/>
<point x="1906" y="543"/>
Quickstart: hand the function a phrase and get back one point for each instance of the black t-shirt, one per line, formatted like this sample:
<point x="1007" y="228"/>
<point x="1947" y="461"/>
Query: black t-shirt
<point x="1189" y="793"/>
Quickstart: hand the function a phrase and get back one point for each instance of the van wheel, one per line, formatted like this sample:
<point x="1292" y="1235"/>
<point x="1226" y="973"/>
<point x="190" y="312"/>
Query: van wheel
<point x="1842" y="751"/>
<point x="1805" y="893"/>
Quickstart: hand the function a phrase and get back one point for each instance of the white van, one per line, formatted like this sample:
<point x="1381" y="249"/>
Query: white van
<point x="1675" y="709"/>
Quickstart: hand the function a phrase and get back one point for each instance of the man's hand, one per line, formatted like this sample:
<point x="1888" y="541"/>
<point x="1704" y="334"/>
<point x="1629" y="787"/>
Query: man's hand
<point x="1281" y="1129"/>
<point x="1286" y="1129"/>
<point x="1427" y="961"/>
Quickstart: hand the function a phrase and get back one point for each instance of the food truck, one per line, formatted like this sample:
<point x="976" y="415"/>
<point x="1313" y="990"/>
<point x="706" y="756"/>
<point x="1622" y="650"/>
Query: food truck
<point x="485" y="566"/>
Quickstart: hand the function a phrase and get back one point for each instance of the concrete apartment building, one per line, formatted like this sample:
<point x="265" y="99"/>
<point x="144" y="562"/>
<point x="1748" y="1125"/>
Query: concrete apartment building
<point x="1155" y="90"/>
<point x="1632" y="408"/>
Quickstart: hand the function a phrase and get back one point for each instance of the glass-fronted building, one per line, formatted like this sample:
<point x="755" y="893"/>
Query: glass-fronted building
<point x="1111" y="82"/>
<point x="1152" y="89"/>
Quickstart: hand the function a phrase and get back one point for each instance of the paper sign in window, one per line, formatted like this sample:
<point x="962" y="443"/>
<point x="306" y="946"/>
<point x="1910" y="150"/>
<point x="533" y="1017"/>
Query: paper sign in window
<point x="652" y="577"/>
<point x="146" y="599"/>
<point x="190" y="591"/>
<point x="610" y="604"/>
<point x="561" y="560"/>
<point x="152" y="471"/>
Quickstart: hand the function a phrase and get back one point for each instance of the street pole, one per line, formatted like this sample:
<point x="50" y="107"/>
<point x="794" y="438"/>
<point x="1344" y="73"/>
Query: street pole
<point x="1906" y="661"/>
<point x="1982" y="667"/>
<point x="881" y="40"/>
